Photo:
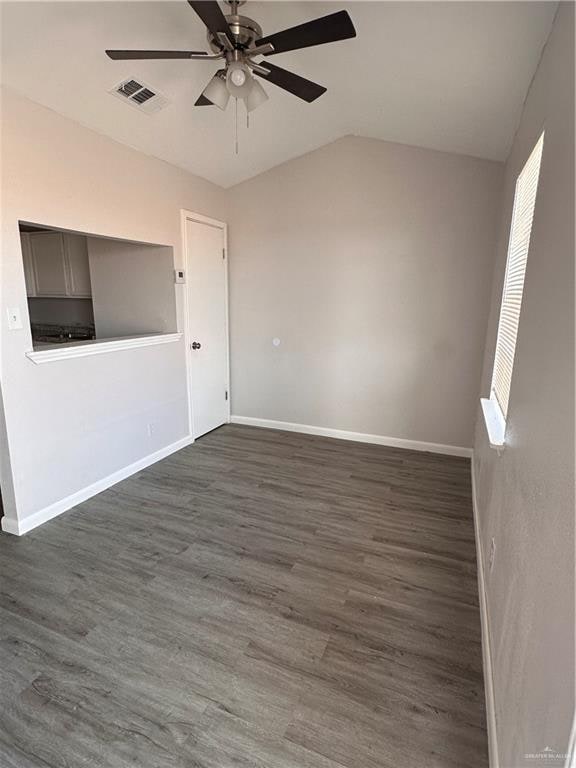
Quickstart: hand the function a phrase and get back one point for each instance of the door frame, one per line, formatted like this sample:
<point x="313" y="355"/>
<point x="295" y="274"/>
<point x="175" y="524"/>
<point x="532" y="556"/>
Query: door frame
<point x="185" y="216"/>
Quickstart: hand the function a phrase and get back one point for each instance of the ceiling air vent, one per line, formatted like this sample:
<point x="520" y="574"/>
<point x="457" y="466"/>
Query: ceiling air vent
<point x="139" y="95"/>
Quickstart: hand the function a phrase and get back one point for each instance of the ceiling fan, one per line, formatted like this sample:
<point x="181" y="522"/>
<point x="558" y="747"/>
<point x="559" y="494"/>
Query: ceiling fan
<point x="238" y="40"/>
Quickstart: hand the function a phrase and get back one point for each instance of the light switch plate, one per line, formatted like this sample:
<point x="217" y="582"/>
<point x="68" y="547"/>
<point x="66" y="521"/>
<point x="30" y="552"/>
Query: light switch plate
<point x="14" y="319"/>
<point x="179" y="276"/>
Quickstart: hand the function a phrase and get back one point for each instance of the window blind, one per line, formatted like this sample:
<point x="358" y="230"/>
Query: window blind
<point x="522" y="215"/>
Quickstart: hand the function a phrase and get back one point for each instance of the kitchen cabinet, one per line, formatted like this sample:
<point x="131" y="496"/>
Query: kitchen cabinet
<point x="76" y="261"/>
<point x="48" y="263"/>
<point x="28" y="265"/>
<point x="56" y="265"/>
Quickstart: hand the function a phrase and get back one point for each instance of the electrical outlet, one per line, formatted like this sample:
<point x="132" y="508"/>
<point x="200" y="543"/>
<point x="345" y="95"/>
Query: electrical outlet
<point x="492" y="553"/>
<point x="151" y="429"/>
<point x="14" y="319"/>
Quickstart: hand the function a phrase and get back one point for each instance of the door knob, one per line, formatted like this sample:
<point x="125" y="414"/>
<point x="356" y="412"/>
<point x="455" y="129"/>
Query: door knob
<point x="196" y="345"/>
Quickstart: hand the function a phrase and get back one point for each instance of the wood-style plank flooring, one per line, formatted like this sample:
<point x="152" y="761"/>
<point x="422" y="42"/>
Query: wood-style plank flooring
<point x="260" y="599"/>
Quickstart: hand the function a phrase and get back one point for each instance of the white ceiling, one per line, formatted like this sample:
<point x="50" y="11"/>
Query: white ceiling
<point x="445" y="75"/>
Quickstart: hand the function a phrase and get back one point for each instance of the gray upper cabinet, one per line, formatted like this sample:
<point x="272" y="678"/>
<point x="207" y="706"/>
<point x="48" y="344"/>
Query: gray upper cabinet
<point x="56" y="265"/>
<point x="48" y="262"/>
<point x="76" y="258"/>
<point x="28" y="265"/>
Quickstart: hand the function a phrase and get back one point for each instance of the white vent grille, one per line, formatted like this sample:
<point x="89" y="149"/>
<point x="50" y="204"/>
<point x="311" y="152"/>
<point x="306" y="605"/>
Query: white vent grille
<point x="139" y="95"/>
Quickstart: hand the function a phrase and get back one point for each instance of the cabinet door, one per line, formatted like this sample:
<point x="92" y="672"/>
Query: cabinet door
<point x="28" y="264"/>
<point x="76" y="249"/>
<point x="48" y="259"/>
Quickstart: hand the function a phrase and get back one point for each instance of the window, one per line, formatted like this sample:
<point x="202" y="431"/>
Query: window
<point x="523" y="212"/>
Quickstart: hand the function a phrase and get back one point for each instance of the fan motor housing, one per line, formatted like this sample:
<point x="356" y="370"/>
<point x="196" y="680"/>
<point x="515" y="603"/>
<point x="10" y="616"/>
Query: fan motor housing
<point x="243" y="30"/>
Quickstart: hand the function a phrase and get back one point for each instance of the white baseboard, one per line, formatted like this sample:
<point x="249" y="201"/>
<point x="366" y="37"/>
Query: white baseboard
<point x="494" y="760"/>
<point x="360" y="437"/>
<point x="19" y="527"/>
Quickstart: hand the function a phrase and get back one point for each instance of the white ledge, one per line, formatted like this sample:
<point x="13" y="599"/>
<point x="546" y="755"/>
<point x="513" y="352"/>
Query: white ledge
<point x="495" y="423"/>
<point x="99" y="347"/>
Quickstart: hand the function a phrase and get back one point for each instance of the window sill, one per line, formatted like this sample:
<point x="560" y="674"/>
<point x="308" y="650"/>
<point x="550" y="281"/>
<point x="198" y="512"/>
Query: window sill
<point x="98" y="347"/>
<point x="495" y="423"/>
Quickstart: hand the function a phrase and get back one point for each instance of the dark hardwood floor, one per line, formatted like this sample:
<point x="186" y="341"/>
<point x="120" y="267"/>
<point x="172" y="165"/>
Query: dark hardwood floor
<point x="260" y="599"/>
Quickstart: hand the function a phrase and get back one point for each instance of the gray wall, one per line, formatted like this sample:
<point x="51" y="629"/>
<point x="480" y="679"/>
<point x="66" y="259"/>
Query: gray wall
<point x="133" y="289"/>
<point x="372" y="263"/>
<point x="525" y="496"/>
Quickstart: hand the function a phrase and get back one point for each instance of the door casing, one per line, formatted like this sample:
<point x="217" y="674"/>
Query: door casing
<point x="199" y="218"/>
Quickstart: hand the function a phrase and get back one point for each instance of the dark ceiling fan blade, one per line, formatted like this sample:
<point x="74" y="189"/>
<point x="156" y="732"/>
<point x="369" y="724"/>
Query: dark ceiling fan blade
<point x="212" y="16"/>
<point x="327" y="29"/>
<point x="299" y="86"/>
<point x="154" y="54"/>
<point x="202" y="101"/>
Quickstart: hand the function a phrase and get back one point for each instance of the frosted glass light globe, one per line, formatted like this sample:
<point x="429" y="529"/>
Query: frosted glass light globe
<point x="238" y="77"/>
<point x="216" y="90"/>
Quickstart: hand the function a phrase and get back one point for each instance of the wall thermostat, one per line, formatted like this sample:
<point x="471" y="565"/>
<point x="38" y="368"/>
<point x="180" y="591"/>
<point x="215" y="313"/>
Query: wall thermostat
<point x="179" y="276"/>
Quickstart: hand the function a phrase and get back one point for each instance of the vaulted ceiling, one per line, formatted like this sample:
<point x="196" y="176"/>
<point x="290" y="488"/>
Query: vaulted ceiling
<point x="445" y="75"/>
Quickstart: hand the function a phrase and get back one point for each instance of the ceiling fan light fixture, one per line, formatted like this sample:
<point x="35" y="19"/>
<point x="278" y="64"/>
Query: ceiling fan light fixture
<point x="236" y="39"/>
<point x="256" y="96"/>
<point x="239" y="79"/>
<point x="216" y="91"/>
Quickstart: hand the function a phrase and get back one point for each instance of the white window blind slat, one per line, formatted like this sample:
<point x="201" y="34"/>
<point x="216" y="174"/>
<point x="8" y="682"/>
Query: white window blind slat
<point x="520" y="230"/>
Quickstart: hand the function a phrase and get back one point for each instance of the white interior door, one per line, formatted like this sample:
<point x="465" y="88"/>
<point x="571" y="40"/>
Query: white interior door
<point x="206" y="278"/>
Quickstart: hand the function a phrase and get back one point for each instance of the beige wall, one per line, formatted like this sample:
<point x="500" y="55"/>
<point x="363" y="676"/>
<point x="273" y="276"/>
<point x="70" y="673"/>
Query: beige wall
<point x="74" y="422"/>
<point x="525" y="497"/>
<point x="372" y="264"/>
